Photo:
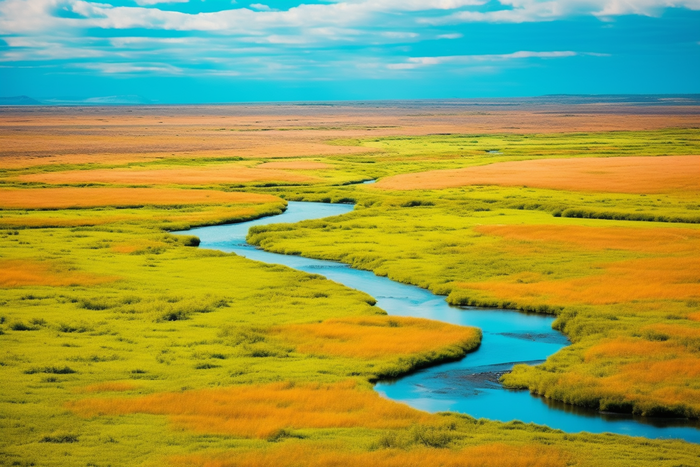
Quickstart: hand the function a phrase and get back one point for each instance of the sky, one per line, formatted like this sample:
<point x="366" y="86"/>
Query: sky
<point x="209" y="51"/>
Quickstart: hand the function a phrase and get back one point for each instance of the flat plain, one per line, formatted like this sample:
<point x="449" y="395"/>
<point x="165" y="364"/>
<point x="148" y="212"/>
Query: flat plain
<point x="123" y="344"/>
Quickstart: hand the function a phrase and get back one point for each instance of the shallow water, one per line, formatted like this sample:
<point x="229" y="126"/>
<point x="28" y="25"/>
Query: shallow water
<point x="470" y="385"/>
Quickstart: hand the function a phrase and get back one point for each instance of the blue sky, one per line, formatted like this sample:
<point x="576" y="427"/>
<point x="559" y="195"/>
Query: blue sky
<point x="198" y="51"/>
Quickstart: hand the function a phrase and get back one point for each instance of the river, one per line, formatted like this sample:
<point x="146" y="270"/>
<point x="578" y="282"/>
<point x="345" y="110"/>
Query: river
<point x="470" y="385"/>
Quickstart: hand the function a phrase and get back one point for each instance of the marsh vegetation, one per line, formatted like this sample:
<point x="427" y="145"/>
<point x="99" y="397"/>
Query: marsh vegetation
<point x="123" y="344"/>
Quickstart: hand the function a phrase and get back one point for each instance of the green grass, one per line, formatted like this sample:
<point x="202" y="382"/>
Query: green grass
<point x="171" y="317"/>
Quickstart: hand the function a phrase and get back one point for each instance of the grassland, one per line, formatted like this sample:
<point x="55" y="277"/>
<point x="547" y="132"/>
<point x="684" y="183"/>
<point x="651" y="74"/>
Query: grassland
<point x="613" y="283"/>
<point x="125" y="345"/>
<point x="646" y="175"/>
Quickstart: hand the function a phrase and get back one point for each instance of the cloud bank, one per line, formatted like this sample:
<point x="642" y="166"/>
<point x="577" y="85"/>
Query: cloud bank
<point x="318" y="40"/>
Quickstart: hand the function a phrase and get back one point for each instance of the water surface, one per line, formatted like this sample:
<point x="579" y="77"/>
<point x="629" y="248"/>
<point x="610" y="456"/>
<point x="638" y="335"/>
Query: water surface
<point x="470" y="385"/>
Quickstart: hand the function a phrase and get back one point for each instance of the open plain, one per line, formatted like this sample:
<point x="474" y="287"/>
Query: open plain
<point x="122" y="344"/>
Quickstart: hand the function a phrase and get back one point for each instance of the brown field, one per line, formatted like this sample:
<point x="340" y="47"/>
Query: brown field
<point x="61" y="198"/>
<point x="375" y="336"/>
<point x="669" y="174"/>
<point x="222" y="174"/>
<point x="41" y="136"/>
<point x="317" y="455"/>
<point x="262" y="410"/>
<point x="18" y="273"/>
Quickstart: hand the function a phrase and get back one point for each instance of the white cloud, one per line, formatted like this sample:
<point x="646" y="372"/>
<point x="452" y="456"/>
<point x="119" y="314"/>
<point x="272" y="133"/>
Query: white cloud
<point x="155" y="2"/>
<point x="19" y="16"/>
<point x="400" y="35"/>
<point x="420" y="62"/>
<point x="47" y="30"/>
<point x="521" y="11"/>
<point x="260" y="6"/>
<point x="133" y="68"/>
<point x="454" y="35"/>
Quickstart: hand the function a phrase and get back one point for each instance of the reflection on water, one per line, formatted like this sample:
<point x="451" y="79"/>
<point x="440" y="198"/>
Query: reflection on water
<point x="469" y="385"/>
<point x="658" y="422"/>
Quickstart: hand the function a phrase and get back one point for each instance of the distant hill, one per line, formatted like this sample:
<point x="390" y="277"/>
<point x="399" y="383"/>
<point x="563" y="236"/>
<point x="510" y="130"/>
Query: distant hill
<point x="18" y="100"/>
<point x="98" y="101"/>
<point x="630" y="99"/>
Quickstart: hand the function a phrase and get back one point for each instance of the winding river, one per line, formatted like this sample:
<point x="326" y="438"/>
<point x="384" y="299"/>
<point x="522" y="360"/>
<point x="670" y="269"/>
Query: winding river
<point x="470" y="385"/>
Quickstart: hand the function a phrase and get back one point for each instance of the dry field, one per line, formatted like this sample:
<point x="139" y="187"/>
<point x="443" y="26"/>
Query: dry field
<point x="63" y="198"/>
<point x="42" y="136"/>
<point x="186" y="176"/>
<point x="643" y="175"/>
<point x="121" y="344"/>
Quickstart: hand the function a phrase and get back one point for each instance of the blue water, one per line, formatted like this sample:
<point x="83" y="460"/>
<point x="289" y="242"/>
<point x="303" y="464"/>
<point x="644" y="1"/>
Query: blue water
<point x="470" y="385"/>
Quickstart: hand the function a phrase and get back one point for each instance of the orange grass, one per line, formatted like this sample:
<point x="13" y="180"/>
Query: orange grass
<point x="110" y="386"/>
<point x="295" y="165"/>
<point x="663" y="382"/>
<point x="317" y="455"/>
<point x="262" y="410"/>
<point x="674" y="278"/>
<point x="624" y="347"/>
<point x="650" y="373"/>
<point x="694" y="316"/>
<point x="602" y="238"/>
<point x="19" y="272"/>
<point x="57" y="198"/>
<point x="375" y="336"/>
<point x="137" y="244"/>
<point x="673" y="370"/>
<point x="183" y="176"/>
<point x="676" y="331"/>
<point x="619" y="174"/>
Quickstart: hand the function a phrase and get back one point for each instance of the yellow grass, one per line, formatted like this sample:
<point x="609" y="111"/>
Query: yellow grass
<point x="664" y="382"/>
<point x="620" y="175"/>
<point x="317" y="455"/>
<point x="375" y="336"/>
<point x="210" y="215"/>
<point x="624" y="347"/>
<point x="676" y="331"/>
<point x="623" y="281"/>
<point x="221" y="174"/>
<point x="110" y="386"/>
<point x="262" y="410"/>
<point x="76" y="137"/>
<point x="18" y="273"/>
<point x="295" y="165"/>
<point x="602" y="238"/>
<point x="59" y="198"/>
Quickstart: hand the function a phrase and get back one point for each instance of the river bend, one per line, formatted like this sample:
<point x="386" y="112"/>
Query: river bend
<point x="469" y="385"/>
